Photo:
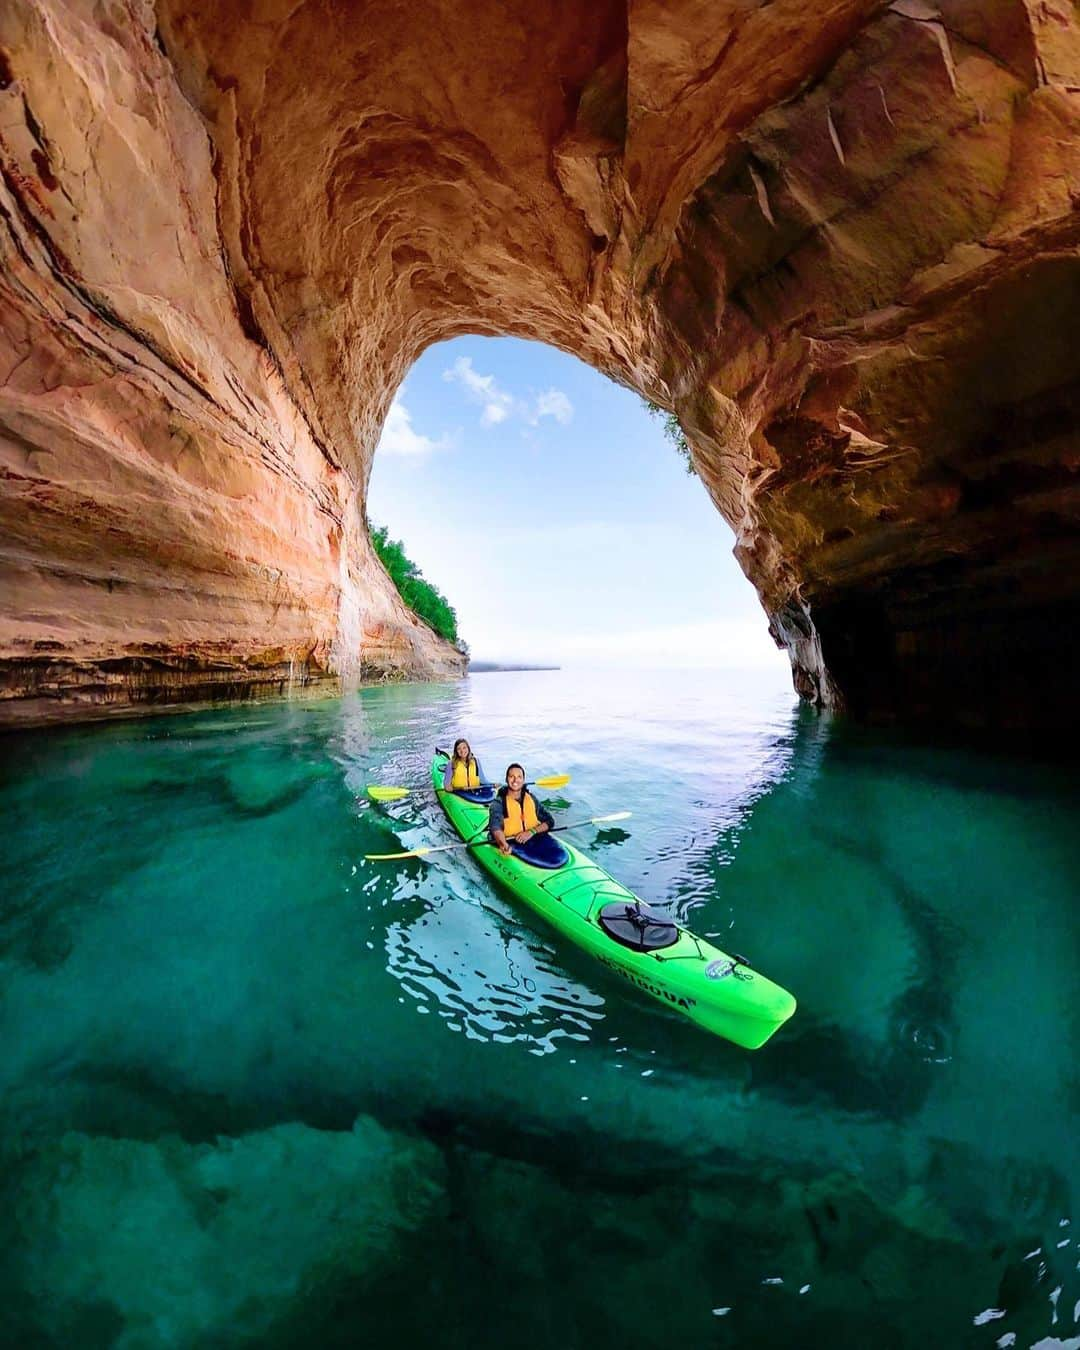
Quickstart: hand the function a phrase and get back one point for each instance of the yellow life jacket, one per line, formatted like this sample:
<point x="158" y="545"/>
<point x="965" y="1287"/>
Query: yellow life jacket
<point x="465" y="775"/>
<point x="518" y="819"/>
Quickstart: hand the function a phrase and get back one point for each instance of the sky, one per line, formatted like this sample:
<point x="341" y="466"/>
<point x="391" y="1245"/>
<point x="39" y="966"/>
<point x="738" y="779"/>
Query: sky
<point x="547" y="505"/>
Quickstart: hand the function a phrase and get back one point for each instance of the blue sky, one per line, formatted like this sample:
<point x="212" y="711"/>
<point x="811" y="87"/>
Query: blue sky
<point x="547" y="505"/>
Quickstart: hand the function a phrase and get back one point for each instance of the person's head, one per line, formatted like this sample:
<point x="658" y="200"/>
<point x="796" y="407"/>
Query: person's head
<point x="515" y="777"/>
<point x="461" y="749"/>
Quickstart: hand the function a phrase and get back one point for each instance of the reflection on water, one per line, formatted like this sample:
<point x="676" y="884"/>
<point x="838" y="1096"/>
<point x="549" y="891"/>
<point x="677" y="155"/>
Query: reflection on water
<point x="488" y="982"/>
<point x="256" y="1091"/>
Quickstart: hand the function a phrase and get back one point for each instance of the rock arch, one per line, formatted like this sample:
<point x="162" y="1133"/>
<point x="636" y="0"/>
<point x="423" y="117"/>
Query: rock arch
<point x="843" y="249"/>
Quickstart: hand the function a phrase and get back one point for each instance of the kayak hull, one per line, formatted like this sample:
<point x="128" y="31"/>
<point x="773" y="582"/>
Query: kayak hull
<point x="691" y="976"/>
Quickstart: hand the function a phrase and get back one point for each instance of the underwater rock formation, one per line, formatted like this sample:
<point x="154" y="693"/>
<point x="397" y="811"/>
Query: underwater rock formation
<point x="257" y="1224"/>
<point x="844" y="250"/>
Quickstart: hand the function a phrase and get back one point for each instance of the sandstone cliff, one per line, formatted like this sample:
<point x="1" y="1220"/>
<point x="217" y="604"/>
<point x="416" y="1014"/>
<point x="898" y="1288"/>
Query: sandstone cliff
<point x="841" y="242"/>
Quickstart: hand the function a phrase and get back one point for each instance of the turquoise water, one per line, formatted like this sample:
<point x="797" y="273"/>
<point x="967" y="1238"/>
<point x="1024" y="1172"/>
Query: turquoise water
<point x="255" y="1091"/>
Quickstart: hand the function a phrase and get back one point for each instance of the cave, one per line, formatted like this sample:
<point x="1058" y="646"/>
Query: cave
<point x="844" y="250"/>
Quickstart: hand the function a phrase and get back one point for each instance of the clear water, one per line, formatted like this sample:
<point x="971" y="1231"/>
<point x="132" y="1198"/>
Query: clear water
<point x="254" y="1091"/>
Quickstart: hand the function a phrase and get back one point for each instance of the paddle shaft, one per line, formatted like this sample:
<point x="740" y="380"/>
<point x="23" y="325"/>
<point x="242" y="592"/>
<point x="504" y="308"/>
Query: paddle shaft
<point x="480" y="843"/>
<point x="381" y="793"/>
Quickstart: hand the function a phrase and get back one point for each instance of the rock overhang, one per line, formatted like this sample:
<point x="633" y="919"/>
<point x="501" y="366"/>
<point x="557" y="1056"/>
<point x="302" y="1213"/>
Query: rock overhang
<point x="843" y="249"/>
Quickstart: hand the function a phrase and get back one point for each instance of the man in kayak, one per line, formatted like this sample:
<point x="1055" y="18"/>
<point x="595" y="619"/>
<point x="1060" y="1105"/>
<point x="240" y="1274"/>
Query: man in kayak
<point x="463" y="772"/>
<point x="516" y="818"/>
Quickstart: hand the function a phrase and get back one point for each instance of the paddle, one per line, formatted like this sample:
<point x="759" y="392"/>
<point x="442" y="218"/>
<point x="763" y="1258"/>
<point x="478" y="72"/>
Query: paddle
<point x="393" y="794"/>
<point x="479" y="843"/>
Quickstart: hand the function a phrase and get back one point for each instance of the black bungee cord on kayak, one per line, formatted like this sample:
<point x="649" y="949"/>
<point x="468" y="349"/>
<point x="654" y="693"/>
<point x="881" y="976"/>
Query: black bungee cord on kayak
<point x="637" y="927"/>
<point x="696" y="955"/>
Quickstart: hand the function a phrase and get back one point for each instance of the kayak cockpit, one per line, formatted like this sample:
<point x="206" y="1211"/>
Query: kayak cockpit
<point x="542" y="851"/>
<point x="481" y="796"/>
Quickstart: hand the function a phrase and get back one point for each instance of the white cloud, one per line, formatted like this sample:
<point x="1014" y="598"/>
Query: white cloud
<point x="498" y="404"/>
<point x="482" y="389"/>
<point x="553" y="403"/>
<point x="400" y="437"/>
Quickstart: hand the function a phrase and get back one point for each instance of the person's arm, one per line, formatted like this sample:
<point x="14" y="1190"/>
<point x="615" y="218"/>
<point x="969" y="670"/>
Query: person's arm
<point x="448" y="774"/>
<point x="496" y="821"/>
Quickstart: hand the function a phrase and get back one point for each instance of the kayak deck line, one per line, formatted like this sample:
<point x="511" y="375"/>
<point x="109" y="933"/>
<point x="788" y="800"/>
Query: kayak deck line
<point x="713" y="989"/>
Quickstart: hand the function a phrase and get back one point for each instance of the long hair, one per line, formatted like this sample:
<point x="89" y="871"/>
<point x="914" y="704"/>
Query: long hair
<point x="455" y="756"/>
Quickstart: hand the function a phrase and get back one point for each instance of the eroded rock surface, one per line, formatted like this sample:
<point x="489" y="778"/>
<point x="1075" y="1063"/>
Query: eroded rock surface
<point x="844" y="247"/>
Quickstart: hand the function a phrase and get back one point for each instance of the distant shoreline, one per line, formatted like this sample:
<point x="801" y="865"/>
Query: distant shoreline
<point x="489" y="667"/>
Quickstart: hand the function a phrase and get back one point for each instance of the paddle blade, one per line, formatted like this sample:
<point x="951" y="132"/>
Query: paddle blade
<point x="558" y="780"/>
<point x="617" y="815"/>
<point x="387" y="794"/>
<point x="392" y="857"/>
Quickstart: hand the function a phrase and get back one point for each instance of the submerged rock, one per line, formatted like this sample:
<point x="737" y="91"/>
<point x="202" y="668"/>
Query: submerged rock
<point x="126" y="1243"/>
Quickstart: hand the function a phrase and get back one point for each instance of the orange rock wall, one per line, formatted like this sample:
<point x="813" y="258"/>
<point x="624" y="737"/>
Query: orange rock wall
<point x="843" y="246"/>
<point x="172" y="527"/>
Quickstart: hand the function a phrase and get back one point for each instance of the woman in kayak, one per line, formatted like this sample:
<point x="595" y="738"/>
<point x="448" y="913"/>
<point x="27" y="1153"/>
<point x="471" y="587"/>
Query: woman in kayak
<point x="463" y="772"/>
<point x="518" y="822"/>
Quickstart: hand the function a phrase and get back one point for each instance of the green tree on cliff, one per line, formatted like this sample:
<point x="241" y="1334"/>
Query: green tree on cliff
<point x="420" y="595"/>
<point x="674" y="432"/>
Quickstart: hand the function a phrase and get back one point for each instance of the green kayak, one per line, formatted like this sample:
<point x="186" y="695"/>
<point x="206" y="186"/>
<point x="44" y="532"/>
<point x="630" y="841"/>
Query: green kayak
<point x="719" y="992"/>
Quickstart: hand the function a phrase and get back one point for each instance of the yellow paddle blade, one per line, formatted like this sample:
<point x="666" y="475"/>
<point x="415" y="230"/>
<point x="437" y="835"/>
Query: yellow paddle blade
<point x="559" y="780"/>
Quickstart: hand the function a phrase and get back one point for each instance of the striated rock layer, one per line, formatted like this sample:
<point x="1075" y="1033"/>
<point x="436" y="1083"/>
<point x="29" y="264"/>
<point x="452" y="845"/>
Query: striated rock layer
<point x="842" y="242"/>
